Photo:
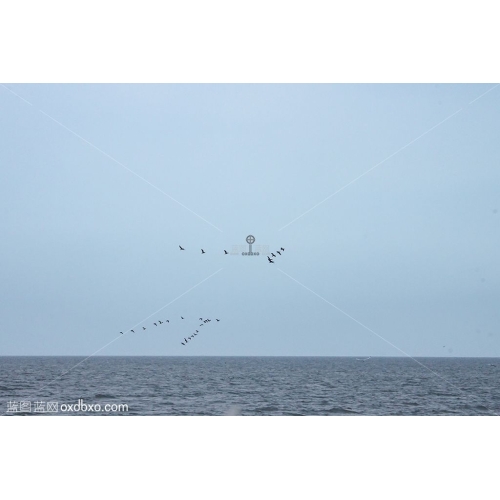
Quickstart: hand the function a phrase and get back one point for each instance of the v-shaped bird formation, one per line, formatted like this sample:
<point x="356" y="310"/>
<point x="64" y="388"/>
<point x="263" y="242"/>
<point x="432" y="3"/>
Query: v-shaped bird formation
<point x="159" y="322"/>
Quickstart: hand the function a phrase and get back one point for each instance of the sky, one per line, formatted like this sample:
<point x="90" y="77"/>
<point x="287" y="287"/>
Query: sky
<point x="384" y="196"/>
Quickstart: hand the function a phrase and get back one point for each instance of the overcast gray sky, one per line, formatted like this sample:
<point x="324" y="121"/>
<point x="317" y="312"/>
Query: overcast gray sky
<point x="409" y="250"/>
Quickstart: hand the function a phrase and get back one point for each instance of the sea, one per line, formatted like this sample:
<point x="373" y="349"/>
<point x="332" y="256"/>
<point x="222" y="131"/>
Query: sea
<point x="248" y="386"/>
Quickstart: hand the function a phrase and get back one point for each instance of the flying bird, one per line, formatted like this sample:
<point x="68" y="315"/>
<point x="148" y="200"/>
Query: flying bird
<point x="225" y="252"/>
<point x="217" y="319"/>
<point x="271" y="261"/>
<point x="155" y="324"/>
<point x="182" y="317"/>
<point x="121" y="333"/>
<point x="202" y="251"/>
<point x="201" y="319"/>
<point x="132" y="331"/>
<point x="183" y="343"/>
<point x="282" y="249"/>
<point x="273" y="254"/>
<point x="161" y="322"/>
<point x="181" y="248"/>
<point x="143" y="327"/>
<point x="277" y="251"/>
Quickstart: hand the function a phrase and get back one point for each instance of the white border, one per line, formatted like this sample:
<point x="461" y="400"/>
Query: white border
<point x="259" y="41"/>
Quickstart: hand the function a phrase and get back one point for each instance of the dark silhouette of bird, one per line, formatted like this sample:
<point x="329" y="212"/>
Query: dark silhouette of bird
<point x="183" y="343"/>
<point x="271" y="261"/>
<point x="155" y="324"/>
<point x="217" y="319"/>
<point x="225" y="252"/>
<point x="181" y="248"/>
<point x="201" y="324"/>
<point x="161" y="322"/>
<point x="121" y="333"/>
<point x="132" y="331"/>
<point x="277" y="251"/>
<point x="202" y="251"/>
<point x="197" y="331"/>
<point x="167" y="321"/>
<point x="143" y="327"/>
<point x="282" y="249"/>
<point x="182" y="317"/>
<point x="185" y="339"/>
<point x="201" y="319"/>
<point x="273" y="254"/>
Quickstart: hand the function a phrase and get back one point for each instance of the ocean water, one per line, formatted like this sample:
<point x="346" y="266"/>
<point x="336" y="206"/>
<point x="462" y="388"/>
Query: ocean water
<point x="248" y="386"/>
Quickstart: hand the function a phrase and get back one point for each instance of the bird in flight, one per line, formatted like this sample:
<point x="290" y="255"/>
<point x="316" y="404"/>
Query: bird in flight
<point x="143" y="327"/>
<point x="273" y="254"/>
<point x="161" y="322"/>
<point x="182" y="317"/>
<point x="201" y="319"/>
<point x="271" y="261"/>
<point x="217" y="319"/>
<point x="132" y="331"/>
<point x="202" y="251"/>
<point x="121" y="333"/>
<point x="167" y="321"/>
<point x="225" y="252"/>
<point x="277" y="251"/>
<point x="183" y="343"/>
<point x="181" y="248"/>
<point x="155" y="324"/>
<point x="282" y="249"/>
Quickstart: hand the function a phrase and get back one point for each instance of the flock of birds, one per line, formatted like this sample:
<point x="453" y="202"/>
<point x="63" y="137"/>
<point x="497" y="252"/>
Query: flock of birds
<point x="186" y="340"/>
<point x="271" y="261"/>
<point x="206" y="320"/>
